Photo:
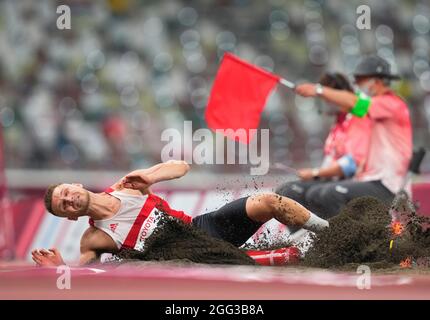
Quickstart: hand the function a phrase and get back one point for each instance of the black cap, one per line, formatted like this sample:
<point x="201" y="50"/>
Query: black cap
<point x="374" y="66"/>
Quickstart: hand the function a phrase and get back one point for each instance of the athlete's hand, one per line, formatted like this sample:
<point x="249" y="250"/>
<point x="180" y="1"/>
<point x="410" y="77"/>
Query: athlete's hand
<point x="47" y="258"/>
<point x="306" y="90"/>
<point x="137" y="181"/>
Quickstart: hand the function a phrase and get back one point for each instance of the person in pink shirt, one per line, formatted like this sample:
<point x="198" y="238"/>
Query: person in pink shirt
<point x="345" y="149"/>
<point x="390" y="148"/>
<point x="348" y="137"/>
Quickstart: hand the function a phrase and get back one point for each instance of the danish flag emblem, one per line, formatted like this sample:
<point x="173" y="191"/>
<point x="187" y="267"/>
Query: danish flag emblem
<point x="113" y="226"/>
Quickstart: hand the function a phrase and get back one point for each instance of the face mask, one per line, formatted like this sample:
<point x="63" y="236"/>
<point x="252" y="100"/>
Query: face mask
<point x="367" y="87"/>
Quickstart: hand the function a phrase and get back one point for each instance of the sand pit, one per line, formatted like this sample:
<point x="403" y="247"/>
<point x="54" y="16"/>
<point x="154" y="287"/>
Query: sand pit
<point x="362" y="233"/>
<point x="174" y="240"/>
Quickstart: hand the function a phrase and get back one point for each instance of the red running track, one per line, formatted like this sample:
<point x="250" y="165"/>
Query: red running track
<point x="159" y="282"/>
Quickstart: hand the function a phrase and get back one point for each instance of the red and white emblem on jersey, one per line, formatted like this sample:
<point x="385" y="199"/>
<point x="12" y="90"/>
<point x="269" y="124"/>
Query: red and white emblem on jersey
<point x="113" y="226"/>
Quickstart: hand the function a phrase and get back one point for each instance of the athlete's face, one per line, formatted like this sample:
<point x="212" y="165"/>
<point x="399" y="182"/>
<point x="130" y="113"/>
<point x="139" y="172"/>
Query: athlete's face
<point x="70" y="201"/>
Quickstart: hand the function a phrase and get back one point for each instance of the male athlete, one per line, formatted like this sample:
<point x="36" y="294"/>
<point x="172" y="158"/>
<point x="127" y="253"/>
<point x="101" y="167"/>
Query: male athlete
<point x="126" y="214"/>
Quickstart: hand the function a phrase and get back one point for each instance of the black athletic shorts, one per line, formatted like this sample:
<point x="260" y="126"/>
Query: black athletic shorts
<point x="229" y="223"/>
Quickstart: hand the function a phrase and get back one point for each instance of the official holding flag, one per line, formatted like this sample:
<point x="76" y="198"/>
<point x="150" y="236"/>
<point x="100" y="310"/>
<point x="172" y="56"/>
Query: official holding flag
<point x="390" y="148"/>
<point x="345" y="150"/>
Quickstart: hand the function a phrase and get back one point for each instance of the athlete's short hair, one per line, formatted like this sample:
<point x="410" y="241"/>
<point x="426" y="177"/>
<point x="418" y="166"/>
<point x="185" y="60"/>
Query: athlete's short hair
<point x="48" y="197"/>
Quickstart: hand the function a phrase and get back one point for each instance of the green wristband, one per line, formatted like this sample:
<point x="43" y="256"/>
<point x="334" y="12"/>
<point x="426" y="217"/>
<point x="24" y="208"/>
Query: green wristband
<point x="362" y="105"/>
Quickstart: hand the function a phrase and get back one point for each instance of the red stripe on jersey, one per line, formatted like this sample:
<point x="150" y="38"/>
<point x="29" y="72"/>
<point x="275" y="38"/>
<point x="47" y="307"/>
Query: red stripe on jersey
<point x="131" y="239"/>
<point x="163" y="206"/>
<point x="109" y="190"/>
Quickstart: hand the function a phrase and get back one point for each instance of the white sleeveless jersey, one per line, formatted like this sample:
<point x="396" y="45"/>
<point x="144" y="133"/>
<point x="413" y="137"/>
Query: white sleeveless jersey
<point x="136" y="219"/>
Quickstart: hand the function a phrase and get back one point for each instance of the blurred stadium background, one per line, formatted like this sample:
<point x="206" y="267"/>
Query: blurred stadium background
<point x="90" y="103"/>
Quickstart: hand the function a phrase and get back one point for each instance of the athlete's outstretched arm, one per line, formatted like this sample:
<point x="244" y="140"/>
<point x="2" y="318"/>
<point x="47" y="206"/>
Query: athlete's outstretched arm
<point x="52" y="257"/>
<point x="47" y="258"/>
<point x="93" y="241"/>
<point x="144" y="178"/>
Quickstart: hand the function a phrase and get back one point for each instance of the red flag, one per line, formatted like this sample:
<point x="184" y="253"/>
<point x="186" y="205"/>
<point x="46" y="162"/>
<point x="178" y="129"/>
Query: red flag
<point x="238" y="96"/>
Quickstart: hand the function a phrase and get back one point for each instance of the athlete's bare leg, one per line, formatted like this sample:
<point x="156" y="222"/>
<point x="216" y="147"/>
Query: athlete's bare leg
<point x="263" y="207"/>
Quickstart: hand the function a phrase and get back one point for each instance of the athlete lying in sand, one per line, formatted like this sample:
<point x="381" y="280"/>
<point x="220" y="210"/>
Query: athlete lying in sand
<point x="126" y="214"/>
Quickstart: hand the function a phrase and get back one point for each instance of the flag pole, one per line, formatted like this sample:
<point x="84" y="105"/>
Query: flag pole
<point x="287" y="83"/>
